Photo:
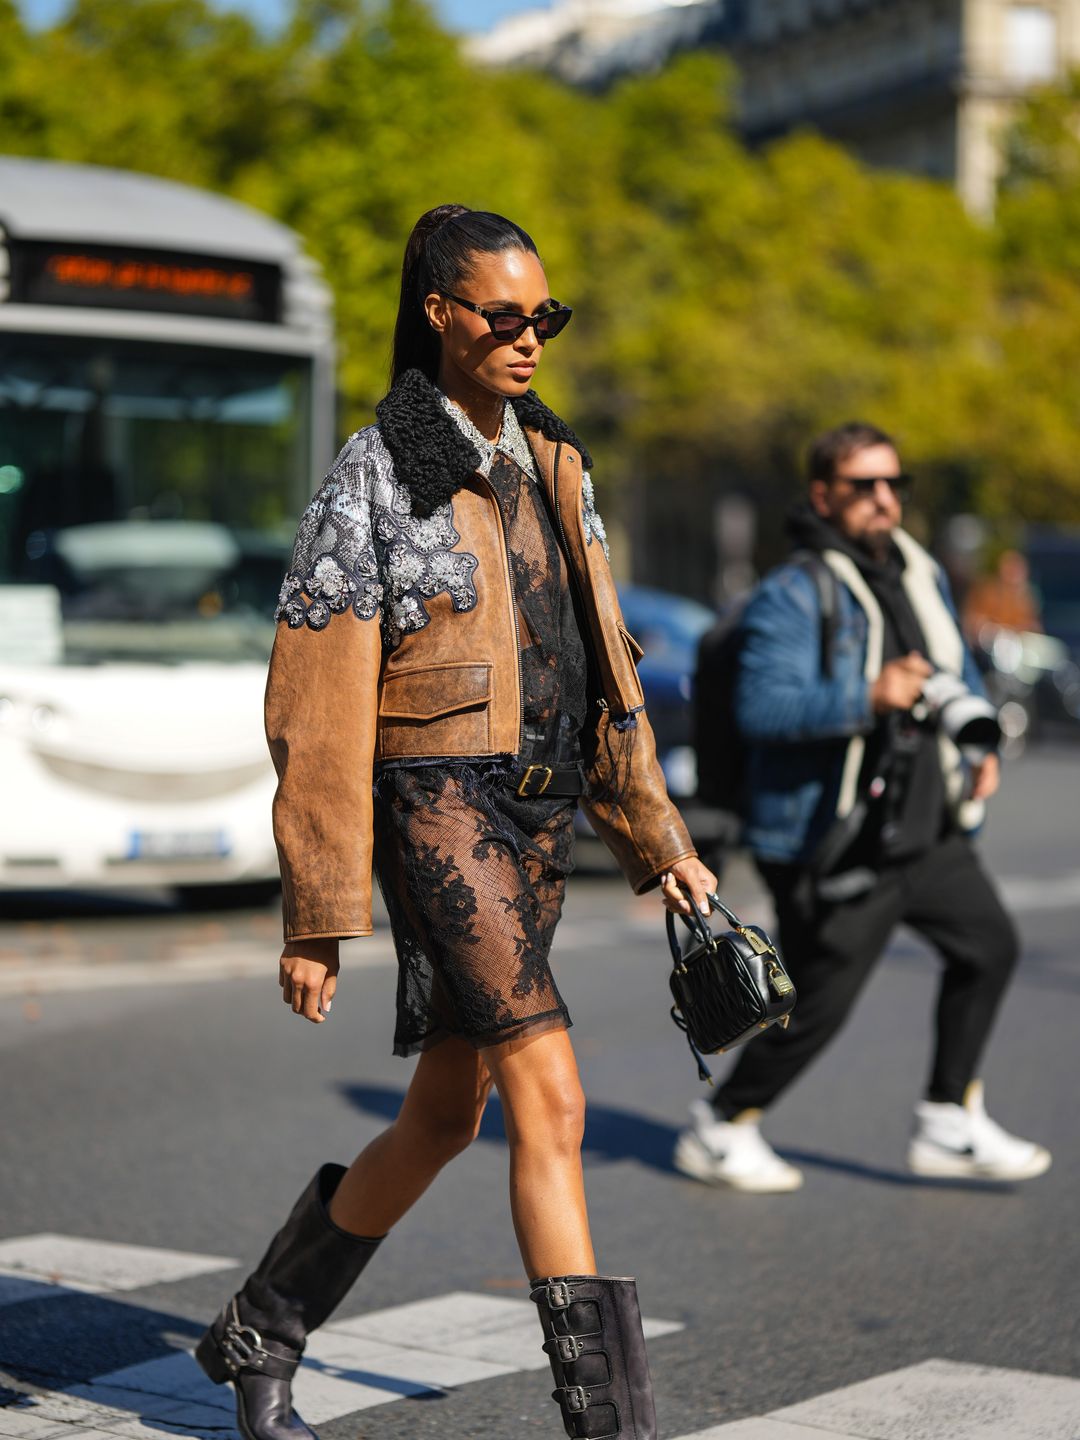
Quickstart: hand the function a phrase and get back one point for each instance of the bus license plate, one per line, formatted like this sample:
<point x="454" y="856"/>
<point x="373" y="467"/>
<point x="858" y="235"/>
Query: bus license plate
<point x="178" y="845"/>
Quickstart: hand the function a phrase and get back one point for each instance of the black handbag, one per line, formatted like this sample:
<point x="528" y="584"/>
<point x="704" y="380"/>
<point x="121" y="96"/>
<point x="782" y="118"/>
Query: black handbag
<point x="727" y="988"/>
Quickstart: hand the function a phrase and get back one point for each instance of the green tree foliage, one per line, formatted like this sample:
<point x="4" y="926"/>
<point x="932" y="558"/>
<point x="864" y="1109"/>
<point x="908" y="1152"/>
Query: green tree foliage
<point x="728" y="303"/>
<point x="1031" y="470"/>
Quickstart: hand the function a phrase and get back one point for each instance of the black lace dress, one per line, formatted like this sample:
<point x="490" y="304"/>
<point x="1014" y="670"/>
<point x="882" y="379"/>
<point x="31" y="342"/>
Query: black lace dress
<point x="472" y="875"/>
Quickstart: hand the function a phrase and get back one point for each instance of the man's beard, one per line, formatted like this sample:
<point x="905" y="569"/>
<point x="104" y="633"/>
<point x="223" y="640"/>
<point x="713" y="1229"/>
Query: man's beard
<point x="877" y="544"/>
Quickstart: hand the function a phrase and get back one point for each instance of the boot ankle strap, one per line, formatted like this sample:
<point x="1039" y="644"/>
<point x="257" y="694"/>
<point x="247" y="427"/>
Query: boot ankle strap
<point x="243" y="1348"/>
<point x="566" y="1348"/>
<point x="574" y="1398"/>
<point x="574" y="1402"/>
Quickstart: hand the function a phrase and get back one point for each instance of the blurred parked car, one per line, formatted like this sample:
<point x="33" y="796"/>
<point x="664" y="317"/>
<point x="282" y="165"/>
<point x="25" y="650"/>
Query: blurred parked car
<point x="668" y="628"/>
<point x="1054" y="558"/>
<point x="1021" y="670"/>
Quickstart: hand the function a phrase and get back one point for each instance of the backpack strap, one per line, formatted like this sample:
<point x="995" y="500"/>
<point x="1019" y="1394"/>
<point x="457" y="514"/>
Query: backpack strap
<point x="825" y="583"/>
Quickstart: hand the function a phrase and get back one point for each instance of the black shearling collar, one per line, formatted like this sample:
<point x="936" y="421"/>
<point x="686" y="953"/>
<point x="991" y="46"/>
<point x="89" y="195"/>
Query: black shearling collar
<point x="432" y="458"/>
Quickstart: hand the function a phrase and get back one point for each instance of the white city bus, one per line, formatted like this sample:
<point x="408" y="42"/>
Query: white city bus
<point x="166" y="396"/>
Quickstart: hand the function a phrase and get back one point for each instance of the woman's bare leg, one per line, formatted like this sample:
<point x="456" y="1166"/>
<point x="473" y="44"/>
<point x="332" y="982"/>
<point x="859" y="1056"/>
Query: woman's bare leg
<point x="544" y="1109"/>
<point x="439" y="1117"/>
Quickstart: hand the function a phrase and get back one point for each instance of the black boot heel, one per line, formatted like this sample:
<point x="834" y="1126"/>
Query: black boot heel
<point x="210" y="1359"/>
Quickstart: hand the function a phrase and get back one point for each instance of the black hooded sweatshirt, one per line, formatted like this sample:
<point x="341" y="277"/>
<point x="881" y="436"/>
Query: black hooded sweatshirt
<point x="911" y="814"/>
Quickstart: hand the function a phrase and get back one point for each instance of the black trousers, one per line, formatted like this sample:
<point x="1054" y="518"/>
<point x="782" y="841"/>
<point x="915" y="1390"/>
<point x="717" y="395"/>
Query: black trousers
<point x="946" y="897"/>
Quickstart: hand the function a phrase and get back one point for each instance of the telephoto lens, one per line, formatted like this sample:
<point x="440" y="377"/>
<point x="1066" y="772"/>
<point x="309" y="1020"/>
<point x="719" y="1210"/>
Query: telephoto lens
<point x="969" y="720"/>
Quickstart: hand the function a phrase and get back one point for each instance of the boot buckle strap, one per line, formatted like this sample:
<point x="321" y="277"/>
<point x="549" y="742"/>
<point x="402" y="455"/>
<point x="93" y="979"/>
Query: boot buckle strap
<point x="576" y="1398"/>
<point x="558" y="1295"/>
<point x="566" y="1348"/>
<point x="242" y="1347"/>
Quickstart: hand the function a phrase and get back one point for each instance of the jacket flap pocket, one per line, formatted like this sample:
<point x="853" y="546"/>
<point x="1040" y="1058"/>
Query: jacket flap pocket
<point x="422" y="694"/>
<point x="636" y="652"/>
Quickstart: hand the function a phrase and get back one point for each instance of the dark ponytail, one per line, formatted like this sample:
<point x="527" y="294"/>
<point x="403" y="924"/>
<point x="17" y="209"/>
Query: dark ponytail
<point x="438" y="257"/>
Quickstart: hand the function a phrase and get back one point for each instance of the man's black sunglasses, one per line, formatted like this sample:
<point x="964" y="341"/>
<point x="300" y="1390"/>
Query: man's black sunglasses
<point x="866" y="484"/>
<point x="509" y="325"/>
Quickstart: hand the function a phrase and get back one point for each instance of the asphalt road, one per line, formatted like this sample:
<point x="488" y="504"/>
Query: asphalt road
<point x="157" y="1093"/>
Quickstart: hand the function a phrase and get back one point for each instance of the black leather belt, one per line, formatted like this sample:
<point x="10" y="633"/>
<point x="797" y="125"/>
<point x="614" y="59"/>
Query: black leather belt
<point x="554" y="781"/>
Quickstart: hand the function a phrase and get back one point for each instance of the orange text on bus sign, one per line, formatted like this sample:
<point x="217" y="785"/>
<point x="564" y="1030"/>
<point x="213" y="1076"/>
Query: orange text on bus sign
<point x="90" y="272"/>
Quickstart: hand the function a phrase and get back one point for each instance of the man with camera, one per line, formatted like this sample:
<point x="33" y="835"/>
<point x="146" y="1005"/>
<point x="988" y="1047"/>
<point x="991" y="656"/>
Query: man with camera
<point x="869" y="751"/>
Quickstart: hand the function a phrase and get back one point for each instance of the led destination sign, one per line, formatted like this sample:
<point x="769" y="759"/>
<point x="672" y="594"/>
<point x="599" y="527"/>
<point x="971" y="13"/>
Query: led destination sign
<point x="119" y="278"/>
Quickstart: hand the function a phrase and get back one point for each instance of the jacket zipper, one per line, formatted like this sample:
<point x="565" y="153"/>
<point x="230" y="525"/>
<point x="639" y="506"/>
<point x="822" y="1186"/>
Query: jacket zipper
<point x="505" y="541"/>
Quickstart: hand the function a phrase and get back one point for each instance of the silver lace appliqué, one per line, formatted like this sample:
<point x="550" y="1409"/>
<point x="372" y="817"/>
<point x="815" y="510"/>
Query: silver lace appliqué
<point x="512" y="439"/>
<point x="359" y="547"/>
<point x="594" y="526"/>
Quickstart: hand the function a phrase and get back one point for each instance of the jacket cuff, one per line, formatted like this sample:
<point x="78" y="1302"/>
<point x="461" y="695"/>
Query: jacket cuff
<point x="652" y="878"/>
<point x="293" y="935"/>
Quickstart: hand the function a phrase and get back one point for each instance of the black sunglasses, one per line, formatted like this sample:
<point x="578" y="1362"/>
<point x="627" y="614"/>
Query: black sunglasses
<point x="866" y="484"/>
<point x="509" y="325"/>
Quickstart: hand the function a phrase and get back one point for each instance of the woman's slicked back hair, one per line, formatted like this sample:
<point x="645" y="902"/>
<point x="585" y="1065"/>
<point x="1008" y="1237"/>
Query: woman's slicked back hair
<point x="438" y="257"/>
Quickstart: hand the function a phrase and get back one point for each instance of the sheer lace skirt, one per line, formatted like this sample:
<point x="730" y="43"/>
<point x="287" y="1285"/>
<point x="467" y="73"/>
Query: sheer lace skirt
<point x="473" y="879"/>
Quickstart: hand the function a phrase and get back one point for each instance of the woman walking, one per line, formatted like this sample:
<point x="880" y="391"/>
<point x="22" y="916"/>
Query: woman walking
<point x="451" y="677"/>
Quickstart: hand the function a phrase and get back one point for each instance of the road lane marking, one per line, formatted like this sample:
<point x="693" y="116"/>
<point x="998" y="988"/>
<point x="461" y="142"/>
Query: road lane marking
<point x="1034" y="892"/>
<point x="936" y="1400"/>
<point x="35" y="1266"/>
<point x="965" y="1402"/>
<point x="429" y="1347"/>
<point x="471" y="1327"/>
<point x="766" y="1428"/>
<point x="425" y="1347"/>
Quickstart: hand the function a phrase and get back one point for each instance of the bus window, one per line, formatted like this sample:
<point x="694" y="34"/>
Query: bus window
<point x="157" y="487"/>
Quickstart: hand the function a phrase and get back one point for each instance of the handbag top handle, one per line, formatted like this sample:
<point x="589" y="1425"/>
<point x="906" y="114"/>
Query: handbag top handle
<point x="698" y="924"/>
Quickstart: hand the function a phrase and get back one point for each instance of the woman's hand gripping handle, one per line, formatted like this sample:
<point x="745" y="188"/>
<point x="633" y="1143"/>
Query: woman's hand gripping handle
<point x="308" y="975"/>
<point x="692" y="875"/>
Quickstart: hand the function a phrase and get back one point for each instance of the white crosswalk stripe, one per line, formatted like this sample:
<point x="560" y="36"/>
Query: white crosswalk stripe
<point x="937" y="1400"/>
<point x="431" y="1346"/>
<point x="425" y="1347"/>
<point x="36" y="1266"/>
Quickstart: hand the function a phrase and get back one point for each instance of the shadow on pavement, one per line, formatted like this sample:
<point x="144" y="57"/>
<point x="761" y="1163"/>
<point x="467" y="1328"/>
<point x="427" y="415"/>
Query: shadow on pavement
<point x="93" y="1364"/>
<point x="613" y="1134"/>
<point x="610" y="1133"/>
<point x="880" y="1176"/>
<point x="56" y="1346"/>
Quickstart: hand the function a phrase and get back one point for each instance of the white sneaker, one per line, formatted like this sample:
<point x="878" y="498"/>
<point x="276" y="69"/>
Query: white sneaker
<point x="962" y="1141"/>
<point x="732" y="1152"/>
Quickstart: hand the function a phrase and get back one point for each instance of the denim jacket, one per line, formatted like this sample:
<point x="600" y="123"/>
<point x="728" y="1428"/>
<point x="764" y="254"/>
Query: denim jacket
<point x="799" y="724"/>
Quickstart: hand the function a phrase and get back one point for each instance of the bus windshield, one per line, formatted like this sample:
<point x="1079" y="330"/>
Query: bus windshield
<point x="148" y="496"/>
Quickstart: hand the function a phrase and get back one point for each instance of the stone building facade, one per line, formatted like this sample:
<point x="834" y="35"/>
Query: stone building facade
<point x="922" y="85"/>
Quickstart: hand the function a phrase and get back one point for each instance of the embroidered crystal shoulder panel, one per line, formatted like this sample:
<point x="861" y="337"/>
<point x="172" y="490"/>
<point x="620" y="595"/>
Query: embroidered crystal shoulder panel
<point x="594" y="526"/>
<point x="360" y="548"/>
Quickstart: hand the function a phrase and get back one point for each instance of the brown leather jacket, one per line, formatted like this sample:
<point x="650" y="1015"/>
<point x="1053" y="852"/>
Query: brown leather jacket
<point x="400" y="641"/>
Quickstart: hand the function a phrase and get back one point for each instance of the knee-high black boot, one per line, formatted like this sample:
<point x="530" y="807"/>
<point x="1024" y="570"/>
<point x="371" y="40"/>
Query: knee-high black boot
<point x="593" y="1337"/>
<point x="257" y="1340"/>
